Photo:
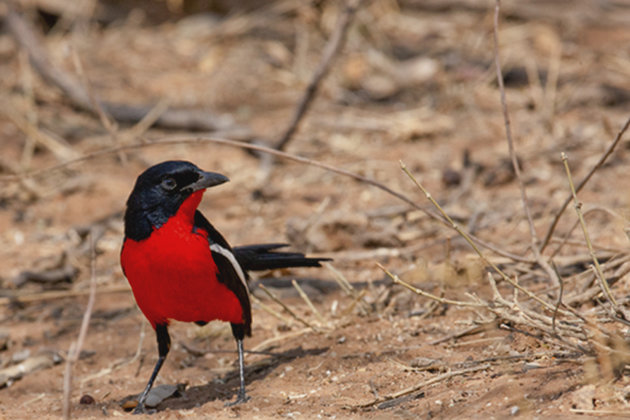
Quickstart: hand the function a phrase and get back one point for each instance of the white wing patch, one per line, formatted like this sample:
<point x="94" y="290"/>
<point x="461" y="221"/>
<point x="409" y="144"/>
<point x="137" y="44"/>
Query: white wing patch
<point x="227" y="254"/>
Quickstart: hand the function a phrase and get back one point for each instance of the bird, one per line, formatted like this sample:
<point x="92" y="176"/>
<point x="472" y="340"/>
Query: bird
<point x="181" y="268"/>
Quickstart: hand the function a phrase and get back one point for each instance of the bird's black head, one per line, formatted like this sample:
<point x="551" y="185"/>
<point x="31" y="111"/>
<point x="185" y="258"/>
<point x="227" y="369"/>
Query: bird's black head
<point x="160" y="191"/>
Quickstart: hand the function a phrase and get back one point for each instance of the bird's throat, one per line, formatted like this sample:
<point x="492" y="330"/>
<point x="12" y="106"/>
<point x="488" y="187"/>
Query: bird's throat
<point x="187" y="210"/>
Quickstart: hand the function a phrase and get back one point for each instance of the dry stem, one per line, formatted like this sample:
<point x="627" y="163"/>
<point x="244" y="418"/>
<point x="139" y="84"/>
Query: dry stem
<point x="582" y="183"/>
<point x="468" y="239"/>
<point x="273" y="297"/>
<point x="578" y="210"/>
<point x="271" y="311"/>
<point x="425" y="383"/>
<point x="334" y="45"/>
<point x="167" y="141"/>
<point x="75" y="347"/>
<point x="508" y="131"/>
<point x="428" y="295"/>
<point x="512" y="151"/>
<point x="308" y="301"/>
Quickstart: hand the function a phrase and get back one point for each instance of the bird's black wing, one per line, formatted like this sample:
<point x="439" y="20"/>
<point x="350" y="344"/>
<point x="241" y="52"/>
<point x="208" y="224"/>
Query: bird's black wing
<point x="229" y="272"/>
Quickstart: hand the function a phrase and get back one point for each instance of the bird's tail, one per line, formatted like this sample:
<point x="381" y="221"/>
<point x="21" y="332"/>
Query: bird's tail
<point x="264" y="257"/>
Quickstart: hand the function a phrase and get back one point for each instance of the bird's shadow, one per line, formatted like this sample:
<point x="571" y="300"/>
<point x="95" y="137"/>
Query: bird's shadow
<point x="227" y="386"/>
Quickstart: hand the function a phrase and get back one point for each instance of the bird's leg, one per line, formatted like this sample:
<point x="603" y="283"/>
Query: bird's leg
<point x="242" y="396"/>
<point x="164" y="344"/>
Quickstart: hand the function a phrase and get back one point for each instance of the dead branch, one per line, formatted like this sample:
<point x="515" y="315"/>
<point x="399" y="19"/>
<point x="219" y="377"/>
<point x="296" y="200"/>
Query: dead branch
<point x="272" y="312"/>
<point x="32" y="364"/>
<point x="512" y="151"/>
<point x="475" y="329"/>
<point x="559" y="301"/>
<point x="334" y="45"/>
<point x="75" y="347"/>
<point x="167" y="141"/>
<point x="468" y="239"/>
<point x="592" y="292"/>
<point x="295" y="316"/>
<point x="428" y="295"/>
<point x="565" y="239"/>
<point x="582" y="183"/>
<point x="578" y="209"/>
<point x="309" y="303"/>
<point x="508" y="132"/>
<point x="191" y="119"/>
<point x="515" y="313"/>
<point x="425" y="383"/>
<point x="617" y="312"/>
<point x="349" y="290"/>
<point x="57" y="146"/>
<point x="64" y="274"/>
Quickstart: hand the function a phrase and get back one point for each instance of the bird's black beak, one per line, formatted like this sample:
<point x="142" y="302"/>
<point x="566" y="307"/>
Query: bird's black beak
<point x="207" y="180"/>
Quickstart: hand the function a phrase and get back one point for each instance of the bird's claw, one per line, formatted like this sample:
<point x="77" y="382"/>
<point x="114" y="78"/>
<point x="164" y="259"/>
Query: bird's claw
<point x="141" y="409"/>
<point x="240" y="399"/>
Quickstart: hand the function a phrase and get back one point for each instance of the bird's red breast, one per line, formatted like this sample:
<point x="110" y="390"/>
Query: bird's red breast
<point x="173" y="275"/>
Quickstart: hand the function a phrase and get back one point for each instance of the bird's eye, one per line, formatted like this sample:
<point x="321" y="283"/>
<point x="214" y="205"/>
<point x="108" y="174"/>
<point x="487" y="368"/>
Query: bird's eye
<point x="168" y="184"/>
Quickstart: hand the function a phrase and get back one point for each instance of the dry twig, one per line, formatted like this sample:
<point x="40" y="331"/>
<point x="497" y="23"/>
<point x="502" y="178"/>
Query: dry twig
<point x="508" y="131"/>
<point x="169" y="141"/>
<point x="618" y="313"/>
<point x="428" y="295"/>
<point x="75" y="347"/>
<point x="423" y="384"/>
<point x="309" y="303"/>
<point x="587" y="239"/>
<point x="582" y="183"/>
<point x="512" y="151"/>
<point x="334" y="45"/>
<point x="271" y="311"/>
<point x="468" y="239"/>
<point x="298" y="318"/>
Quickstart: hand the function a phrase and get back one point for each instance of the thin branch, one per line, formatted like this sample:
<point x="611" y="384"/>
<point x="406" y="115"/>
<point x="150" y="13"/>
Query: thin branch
<point x="75" y="347"/>
<point x="468" y="239"/>
<point x="559" y="301"/>
<point x="589" y="244"/>
<point x="106" y="121"/>
<point x="168" y="141"/>
<point x="428" y="295"/>
<point x="308" y="301"/>
<point x="508" y="131"/>
<point x="286" y="308"/>
<point x="582" y="183"/>
<point x="425" y="383"/>
<point x="512" y="151"/>
<point x="271" y="311"/>
<point x="334" y="45"/>
<point x="475" y="329"/>
<point x="349" y="290"/>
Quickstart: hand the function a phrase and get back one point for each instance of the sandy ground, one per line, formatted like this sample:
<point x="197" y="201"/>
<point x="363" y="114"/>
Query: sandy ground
<point x="415" y="81"/>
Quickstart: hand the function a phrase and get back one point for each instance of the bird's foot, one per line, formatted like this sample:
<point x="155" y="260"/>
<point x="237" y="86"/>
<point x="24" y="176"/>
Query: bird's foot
<point x="240" y="399"/>
<point x="141" y="409"/>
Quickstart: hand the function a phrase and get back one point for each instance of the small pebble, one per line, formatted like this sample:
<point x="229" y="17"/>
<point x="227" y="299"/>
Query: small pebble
<point x="87" y="399"/>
